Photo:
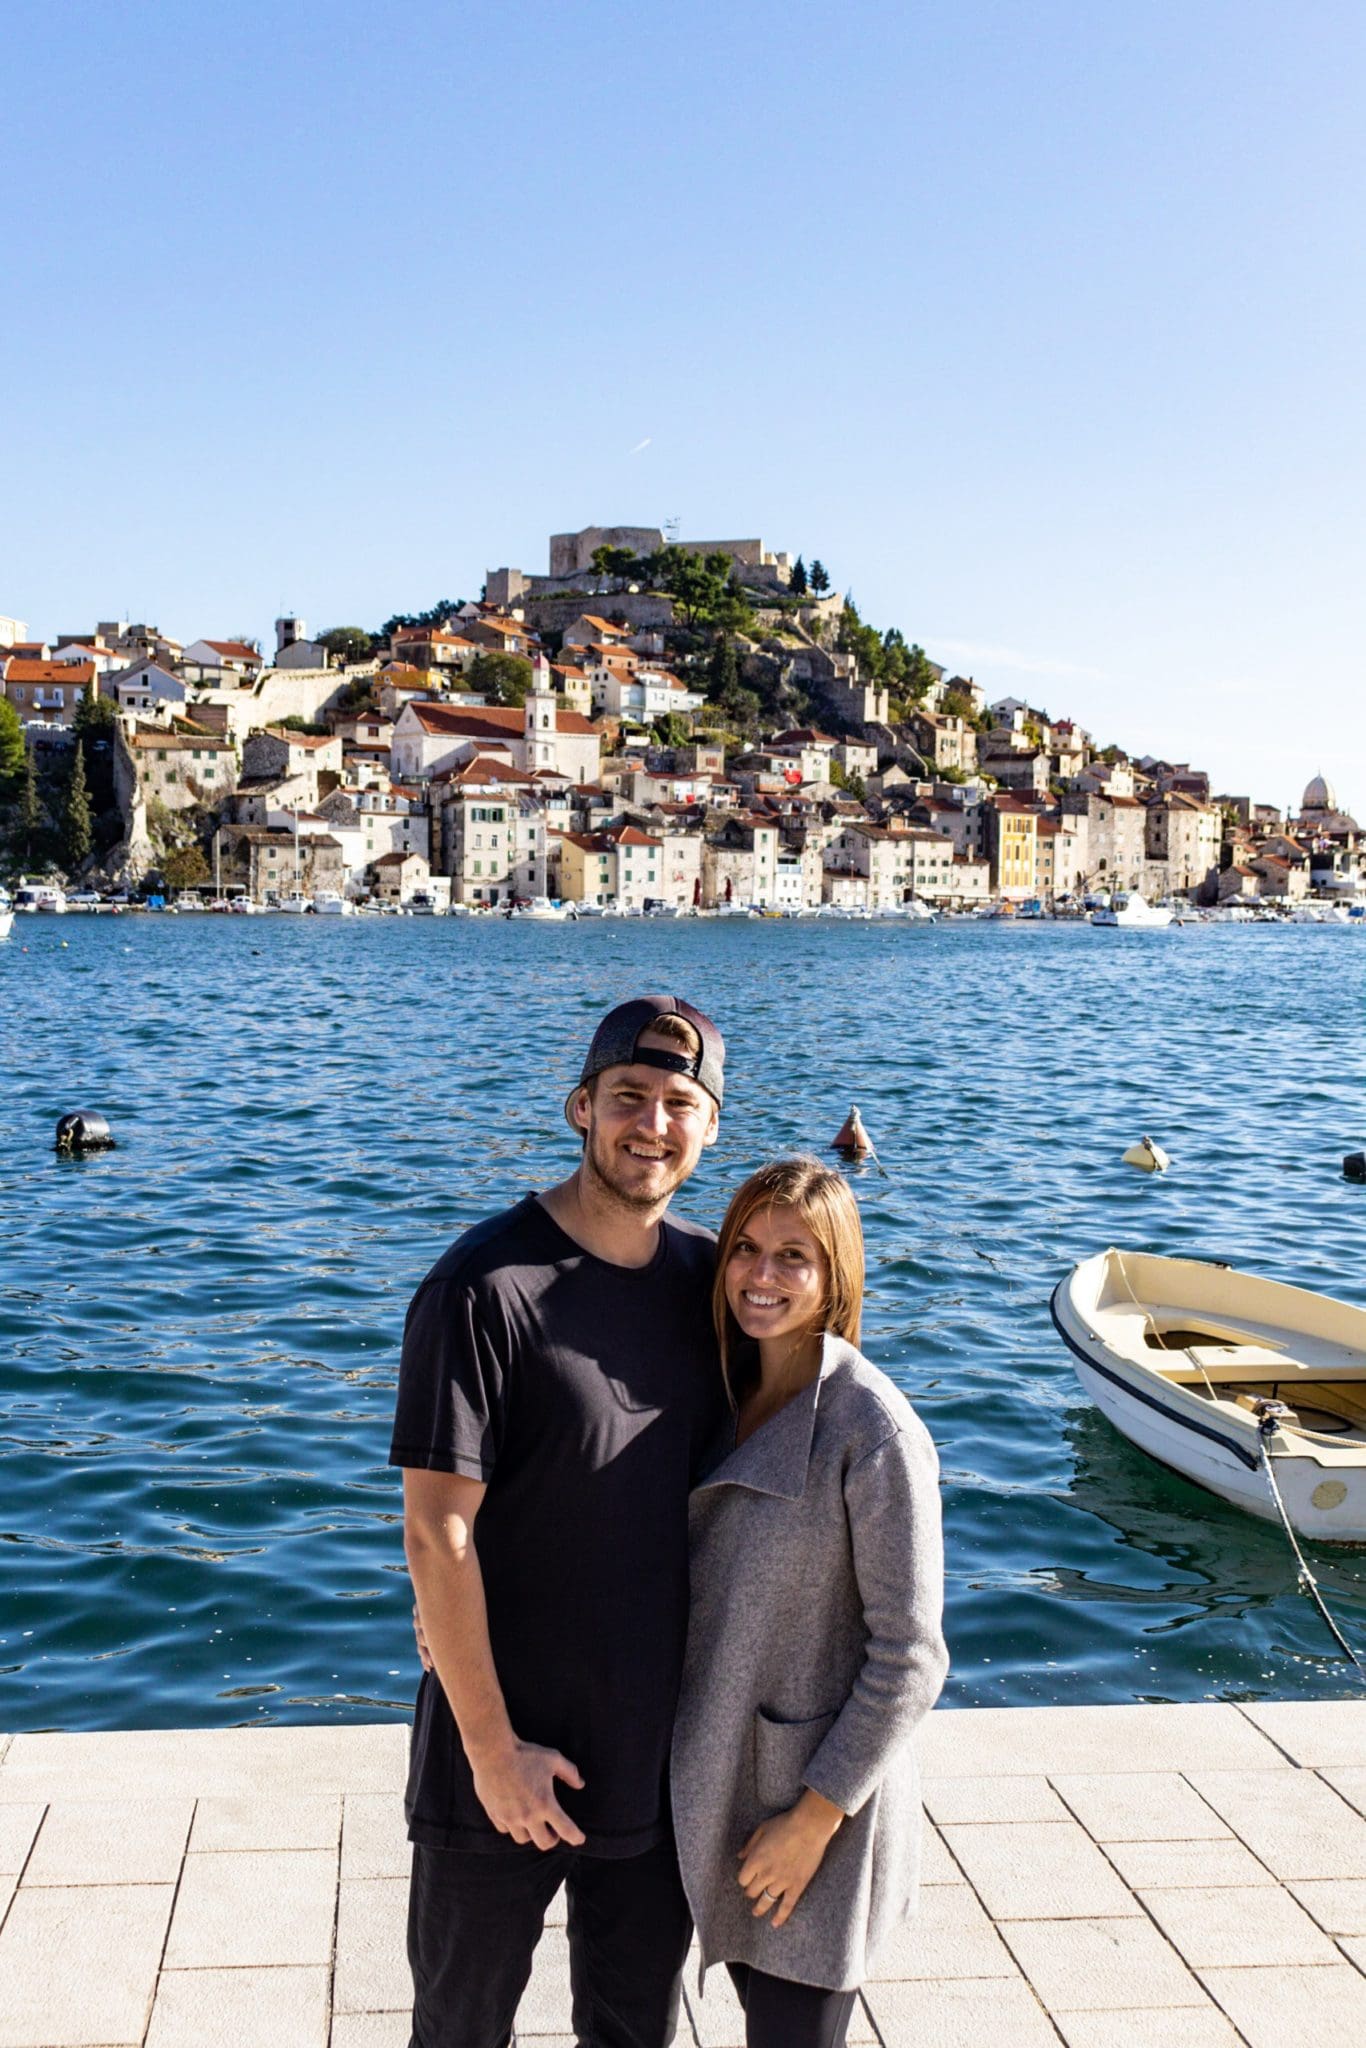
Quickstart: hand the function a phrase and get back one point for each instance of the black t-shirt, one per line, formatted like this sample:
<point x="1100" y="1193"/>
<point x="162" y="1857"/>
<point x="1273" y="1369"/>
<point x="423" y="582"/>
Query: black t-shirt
<point x="583" y="1394"/>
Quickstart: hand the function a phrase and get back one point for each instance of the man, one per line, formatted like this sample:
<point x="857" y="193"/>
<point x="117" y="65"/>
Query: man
<point x="559" y="1381"/>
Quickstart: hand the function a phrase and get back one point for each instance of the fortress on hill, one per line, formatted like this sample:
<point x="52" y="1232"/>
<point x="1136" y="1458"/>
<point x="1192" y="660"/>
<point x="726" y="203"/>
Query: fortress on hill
<point x="572" y="571"/>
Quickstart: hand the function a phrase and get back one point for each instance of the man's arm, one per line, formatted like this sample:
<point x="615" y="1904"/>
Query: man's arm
<point x="514" y="1780"/>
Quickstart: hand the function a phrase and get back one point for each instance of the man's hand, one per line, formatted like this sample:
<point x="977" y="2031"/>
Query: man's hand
<point x="516" y="1788"/>
<point x="782" y="1856"/>
<point x="424" y="1654"/>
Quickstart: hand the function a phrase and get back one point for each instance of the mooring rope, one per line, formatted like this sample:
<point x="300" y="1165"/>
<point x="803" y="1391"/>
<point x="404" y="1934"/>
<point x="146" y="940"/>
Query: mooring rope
<point x="1269" y="1414"/>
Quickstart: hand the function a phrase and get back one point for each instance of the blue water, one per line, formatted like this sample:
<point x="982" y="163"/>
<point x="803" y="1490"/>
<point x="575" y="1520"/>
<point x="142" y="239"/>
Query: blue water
<point x="198" y="1332"/>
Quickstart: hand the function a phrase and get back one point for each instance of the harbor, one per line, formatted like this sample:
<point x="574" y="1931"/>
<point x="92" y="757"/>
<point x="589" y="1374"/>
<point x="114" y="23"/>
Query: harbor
<point x="1100" y="1877"/>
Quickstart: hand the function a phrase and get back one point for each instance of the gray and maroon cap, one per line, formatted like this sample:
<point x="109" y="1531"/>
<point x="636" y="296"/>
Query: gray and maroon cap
<point x="615" y="1044"/>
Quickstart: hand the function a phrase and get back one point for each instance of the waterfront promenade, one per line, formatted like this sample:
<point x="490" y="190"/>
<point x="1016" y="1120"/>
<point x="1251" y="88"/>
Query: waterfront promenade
<point x="1106" y="1877"/>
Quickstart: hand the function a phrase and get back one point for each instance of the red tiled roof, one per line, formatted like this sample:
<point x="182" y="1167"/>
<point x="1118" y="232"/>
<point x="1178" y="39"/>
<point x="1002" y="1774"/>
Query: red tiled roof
<point x="19" y="669"/>
<point x="233" y="650"/>
<point x="300" y="739"/>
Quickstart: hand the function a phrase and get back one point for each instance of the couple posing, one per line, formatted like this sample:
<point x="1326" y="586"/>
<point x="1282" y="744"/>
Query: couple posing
<point x="676" y="1554"/>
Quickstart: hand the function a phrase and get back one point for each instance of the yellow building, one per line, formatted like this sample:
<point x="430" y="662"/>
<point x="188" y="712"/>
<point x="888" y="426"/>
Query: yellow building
<point x="1013" y="830"/>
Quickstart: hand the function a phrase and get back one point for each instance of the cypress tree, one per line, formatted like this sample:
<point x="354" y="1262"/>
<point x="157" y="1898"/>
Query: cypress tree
<point x="76" y="833"/>
<point x="30" y="810"/>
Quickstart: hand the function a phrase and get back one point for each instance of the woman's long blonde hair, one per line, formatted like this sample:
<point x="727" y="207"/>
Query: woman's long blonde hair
<point x="825" y="1202"/>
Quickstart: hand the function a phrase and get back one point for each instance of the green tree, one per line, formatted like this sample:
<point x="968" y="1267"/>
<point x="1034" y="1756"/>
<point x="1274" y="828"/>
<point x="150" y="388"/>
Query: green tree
<point x="672" y="729"/>
<point x="185" y="868"/>
<point x="820" y="579"/>
<point x="13" y="752"/>
<point x="798" y="583"/>
<point x="347" y="644"/>
<point x="30" y="817"/>
<point x="76" y="819"/>
<point x="701" y="586"/>
<point x="620" y="565"/>
<point x="502" y="678"/>
<point x="723" y="670"/>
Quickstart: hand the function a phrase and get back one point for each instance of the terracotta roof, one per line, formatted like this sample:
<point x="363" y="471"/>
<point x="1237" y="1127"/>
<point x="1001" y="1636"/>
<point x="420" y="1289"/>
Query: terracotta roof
<point x="233" y="650"/>
<point x="491" y="721"/>
<point x="300" y="739"/>
<point x="154" y="736"/>
<point x="630" y="835"/>
<point x="396" y="860"/>
<point x="19" y="669"/>
<point x="482" y="773"/>
<point x="605" y="625"/>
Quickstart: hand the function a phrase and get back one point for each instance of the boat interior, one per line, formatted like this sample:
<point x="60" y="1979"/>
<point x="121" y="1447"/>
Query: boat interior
<point x="1236" y="1365"/>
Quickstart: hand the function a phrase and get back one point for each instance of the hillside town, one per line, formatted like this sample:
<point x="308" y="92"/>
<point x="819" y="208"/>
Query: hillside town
<point x="649" y="725"/>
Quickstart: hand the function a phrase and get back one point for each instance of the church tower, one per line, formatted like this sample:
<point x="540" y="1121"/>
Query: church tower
<point x="541" y="727"/>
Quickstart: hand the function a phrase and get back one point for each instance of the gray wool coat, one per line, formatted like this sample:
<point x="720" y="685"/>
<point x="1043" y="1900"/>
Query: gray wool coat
<point x="814" y="1648"/>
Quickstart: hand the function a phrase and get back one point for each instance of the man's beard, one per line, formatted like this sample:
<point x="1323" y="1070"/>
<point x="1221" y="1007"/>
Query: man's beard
<point x="629" y="1197"/>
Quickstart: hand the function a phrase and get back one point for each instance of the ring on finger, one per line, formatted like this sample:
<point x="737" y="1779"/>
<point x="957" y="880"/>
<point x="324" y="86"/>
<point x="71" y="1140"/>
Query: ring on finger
<point x="771" y="1895"/>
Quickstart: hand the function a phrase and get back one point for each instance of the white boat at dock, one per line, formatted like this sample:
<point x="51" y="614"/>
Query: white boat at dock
<point x="6" y="923"/>
<point x="1132" y="912"/>
<point x="331" y="903"/>
<point x="1182" y="1356"/>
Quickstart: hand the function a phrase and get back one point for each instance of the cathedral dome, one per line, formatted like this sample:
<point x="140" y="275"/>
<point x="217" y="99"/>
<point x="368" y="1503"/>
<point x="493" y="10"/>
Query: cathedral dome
<point x="1319" y="796"/>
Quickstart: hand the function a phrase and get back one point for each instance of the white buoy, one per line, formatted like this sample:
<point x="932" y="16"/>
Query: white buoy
<point x="852" y="1138"/>
<point x="1147" y="1157"/>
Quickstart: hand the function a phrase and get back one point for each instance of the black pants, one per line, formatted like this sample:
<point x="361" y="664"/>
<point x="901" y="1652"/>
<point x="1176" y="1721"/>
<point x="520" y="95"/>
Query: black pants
<point x="474" y="1921"/>
<point x="781" y="2014"/>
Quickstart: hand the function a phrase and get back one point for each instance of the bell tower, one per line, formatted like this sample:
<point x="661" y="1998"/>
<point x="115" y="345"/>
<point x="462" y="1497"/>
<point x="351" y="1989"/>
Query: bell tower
<point x="541" y="725"/>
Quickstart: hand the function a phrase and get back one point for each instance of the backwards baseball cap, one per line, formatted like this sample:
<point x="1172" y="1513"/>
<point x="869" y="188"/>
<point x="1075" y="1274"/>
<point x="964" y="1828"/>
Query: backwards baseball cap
<point x="615" y="1044"/>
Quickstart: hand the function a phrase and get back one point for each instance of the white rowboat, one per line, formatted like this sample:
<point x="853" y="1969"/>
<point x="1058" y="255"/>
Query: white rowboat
<point x="1176" y="1354"/>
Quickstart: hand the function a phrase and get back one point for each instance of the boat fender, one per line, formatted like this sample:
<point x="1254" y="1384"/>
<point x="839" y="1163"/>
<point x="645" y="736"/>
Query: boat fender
<point x="1354" y="1166"/>
<point x="1146" y="1156"/>
<point x="851" y="1138"/>
<point x="84" y="1131"/>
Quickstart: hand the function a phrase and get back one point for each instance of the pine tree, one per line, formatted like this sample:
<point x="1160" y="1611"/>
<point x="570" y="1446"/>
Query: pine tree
<point x="723" y="671"/>
<point x="798" y="583"/>
<point x="76" y="833"/>
<point x="820" y="579"/>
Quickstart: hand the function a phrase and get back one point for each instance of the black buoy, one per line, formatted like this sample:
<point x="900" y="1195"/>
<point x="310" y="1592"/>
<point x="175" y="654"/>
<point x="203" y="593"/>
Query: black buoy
<point x="1354" y="1166"/>
<point x="84" y="1131"/>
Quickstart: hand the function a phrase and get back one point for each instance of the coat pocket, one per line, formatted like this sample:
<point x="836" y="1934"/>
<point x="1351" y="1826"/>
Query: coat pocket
<point x="782" y="1751"/>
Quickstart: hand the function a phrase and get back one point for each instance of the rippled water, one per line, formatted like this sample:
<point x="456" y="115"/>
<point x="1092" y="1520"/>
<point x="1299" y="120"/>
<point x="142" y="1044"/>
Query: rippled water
<point x="198" y="1332"/>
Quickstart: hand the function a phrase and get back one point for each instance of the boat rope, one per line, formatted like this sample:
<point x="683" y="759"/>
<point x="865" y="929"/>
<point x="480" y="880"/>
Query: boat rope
<point x="1269" y="1417"/>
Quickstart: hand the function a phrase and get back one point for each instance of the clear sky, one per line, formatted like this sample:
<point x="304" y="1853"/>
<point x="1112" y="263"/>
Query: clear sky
<point x="1041" y="324"/>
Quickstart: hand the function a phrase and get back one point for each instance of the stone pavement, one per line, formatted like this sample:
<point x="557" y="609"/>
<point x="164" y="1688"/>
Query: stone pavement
<point x="1105" y="1877"/>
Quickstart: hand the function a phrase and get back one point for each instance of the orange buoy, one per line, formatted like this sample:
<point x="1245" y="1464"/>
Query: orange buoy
<point x="852" y="1138"/>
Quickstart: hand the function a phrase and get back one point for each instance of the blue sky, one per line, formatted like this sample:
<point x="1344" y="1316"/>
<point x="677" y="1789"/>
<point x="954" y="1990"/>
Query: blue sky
<point x="1042" y="325"/>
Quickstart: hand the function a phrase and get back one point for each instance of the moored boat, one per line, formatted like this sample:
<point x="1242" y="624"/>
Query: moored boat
<point x="1132" y="912"/>
<point x="1182" y="1356"/>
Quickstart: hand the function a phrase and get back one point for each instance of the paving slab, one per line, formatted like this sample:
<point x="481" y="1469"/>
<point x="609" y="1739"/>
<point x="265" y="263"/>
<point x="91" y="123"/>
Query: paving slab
<point x="1171" y="2026"/>
<point x="9" y="1884"/>
<point x="79" y="1966"/>
<point x="1337" y="1903"/>
<point x="1288" y="2008"/>
<point x="233" y="2008"/>
<point x="1038" y="1869"/>
<point x="170" y="1763"/>
<point x="992" y="1799"/>
<point x="1294" y="1821"/>
<point x="372" y="1955"/>
<point x="374" y="2030"/>
<point x="936" y="1864"/>
<point x="1149" y="1866"/>
<point x="1314" y="1732"/>
<point x="1026" y="1741"/>
<point x="18" y="1826"/>
<point x="1100" y="1965"/>
<point x="951" y="1936"/>
<point x="1142" y="1806"/>
<point x="1349" y="1782"/>
<point x="250" y="1908"/>
<point x="375" y="1837"/>
<point x="221" y="1824"/>
<point x="545" y="2003"/>
<point x="1234" y="1925"/>
<point x="123" y="1841"/>
<point x="986" y="2012"/>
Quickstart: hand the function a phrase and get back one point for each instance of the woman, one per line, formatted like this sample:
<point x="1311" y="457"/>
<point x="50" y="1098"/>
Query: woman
<point x="814" y="1644"/>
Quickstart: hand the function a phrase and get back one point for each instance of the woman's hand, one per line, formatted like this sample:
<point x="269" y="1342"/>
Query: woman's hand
<point x="782" y="1856"/>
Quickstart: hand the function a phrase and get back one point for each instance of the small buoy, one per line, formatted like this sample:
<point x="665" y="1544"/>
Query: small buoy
<point x="852" y="1138"/>
<point x="65" y="944"/>
<point x="84" y="1131"/>
<point x="1354" y="1166"/>
<point x="1147" y="1157"/>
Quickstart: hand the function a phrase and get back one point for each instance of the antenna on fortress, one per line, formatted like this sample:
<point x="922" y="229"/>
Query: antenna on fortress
<point x="671" y="527"/>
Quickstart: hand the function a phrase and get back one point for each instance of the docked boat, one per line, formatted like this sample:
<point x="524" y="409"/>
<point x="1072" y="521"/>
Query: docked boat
<point x="296" y="903"/>
<point x="6" y="923"/>
<point x="331" y="903"/>
<point x="1184" y="1357"/>
<point x="1132" y="912"/>
<point x="539" y="907"/>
